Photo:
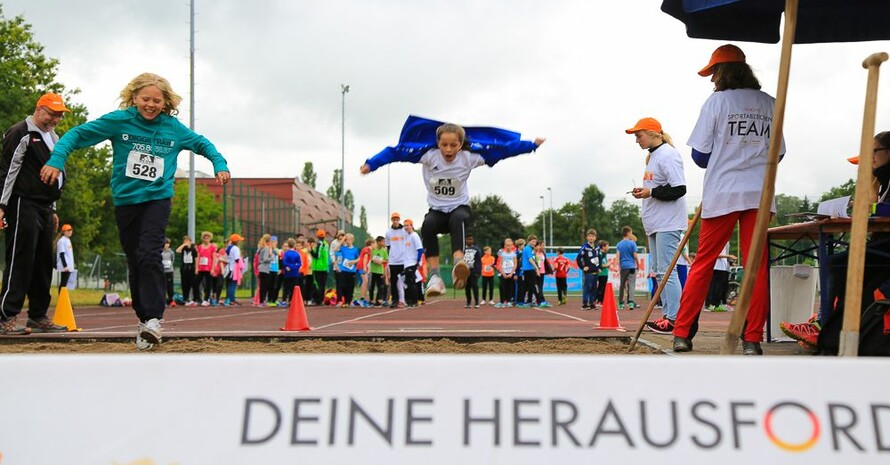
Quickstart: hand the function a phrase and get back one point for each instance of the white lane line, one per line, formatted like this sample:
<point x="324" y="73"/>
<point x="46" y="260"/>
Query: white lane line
<point x="358" y="318"/>
<point x="197" y="318"/>
<point x="563" y="314"/>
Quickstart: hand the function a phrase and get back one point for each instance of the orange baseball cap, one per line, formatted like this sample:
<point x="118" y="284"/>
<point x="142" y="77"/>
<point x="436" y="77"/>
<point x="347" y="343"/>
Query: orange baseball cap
<point x="408" y="222"/>
<point x="67" y="227"/>
<point x="854" y="160"/>
<point x="52" y="101"/>
<point x="236" y="237"/>
<point x="724" y="54"/>
<point x="645" y="124"/>
<point x="319" y="233"/>
<point x="395" y="215"/>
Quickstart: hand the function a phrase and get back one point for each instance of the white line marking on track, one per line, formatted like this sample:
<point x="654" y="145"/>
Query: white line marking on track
<point x="359" y="318"/>
<point x="563" y="314"/>
<point x="197" y="318"/>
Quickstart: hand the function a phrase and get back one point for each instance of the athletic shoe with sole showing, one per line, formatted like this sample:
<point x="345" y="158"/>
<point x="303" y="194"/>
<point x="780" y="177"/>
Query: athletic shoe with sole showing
<point x="151" y="331"/>
<point x="142" y="344"/>
<point x="436" y="287"/>
<point x="45" y="326"/>
<point x="459" y="274"/>
<point x="805" y="333"/>
<point x="660" y="326"/>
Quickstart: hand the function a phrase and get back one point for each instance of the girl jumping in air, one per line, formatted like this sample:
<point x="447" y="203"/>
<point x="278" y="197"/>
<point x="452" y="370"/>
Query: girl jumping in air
<point x="448" y="153"/>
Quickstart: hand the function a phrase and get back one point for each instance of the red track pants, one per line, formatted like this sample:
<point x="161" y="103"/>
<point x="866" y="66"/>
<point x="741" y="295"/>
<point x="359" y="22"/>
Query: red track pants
<point x="715" y="233"/>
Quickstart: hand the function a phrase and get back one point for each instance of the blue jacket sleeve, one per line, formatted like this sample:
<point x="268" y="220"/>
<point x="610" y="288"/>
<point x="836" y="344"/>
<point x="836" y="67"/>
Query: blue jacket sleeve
<point x="493" y="153"/>
<point x="419" y="255"/>
<point x="410" y="153"/>
<point x="700" y="159"/>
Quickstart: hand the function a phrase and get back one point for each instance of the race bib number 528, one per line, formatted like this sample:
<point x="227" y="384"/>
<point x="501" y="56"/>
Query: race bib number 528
<point x="144" y="166"/>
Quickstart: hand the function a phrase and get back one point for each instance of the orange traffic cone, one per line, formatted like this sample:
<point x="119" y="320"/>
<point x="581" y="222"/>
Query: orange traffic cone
<point x="609" y="318"/>
<point x="296" y="315"/>
<point x="64" y="315"/>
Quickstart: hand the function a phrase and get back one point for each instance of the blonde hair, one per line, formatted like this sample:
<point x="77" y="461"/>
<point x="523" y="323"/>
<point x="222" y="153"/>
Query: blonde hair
<point x="454" y="129"/>
<point x="171" y="99"/>
<point x="264" y="240"/>
<point x="661" y="135"/>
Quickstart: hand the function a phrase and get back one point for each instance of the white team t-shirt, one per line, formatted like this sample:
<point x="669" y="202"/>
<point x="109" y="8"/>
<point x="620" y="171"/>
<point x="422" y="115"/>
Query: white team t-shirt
<point x="665" y="167"/>
<point x="722" y="264"/>
<point x="734" y="126"/>
<point x="412" y="245"/>
<point x="446" y="183"/>
<point x="63" y="246"/>
<point x="396" y="240"/>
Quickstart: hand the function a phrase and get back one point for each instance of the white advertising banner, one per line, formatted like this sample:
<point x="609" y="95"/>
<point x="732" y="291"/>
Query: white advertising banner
<point x="434" y="409"/>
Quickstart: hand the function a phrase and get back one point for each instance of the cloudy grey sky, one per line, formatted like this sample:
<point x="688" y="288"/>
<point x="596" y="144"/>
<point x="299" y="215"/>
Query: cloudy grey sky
<point x="578" y="72"/>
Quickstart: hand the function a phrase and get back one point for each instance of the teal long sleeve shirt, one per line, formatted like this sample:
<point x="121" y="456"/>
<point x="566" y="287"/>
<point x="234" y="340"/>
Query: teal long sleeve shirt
<point x="138" y="145"/>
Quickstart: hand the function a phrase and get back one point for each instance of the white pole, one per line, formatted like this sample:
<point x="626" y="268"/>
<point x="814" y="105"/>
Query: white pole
<point x="343" y="90"/>
<point x="543" y="220"/>
<point x="191" y="201"/>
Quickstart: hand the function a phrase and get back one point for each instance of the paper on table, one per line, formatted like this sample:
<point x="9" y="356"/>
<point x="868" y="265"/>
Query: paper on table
<point x="835" y="208"/>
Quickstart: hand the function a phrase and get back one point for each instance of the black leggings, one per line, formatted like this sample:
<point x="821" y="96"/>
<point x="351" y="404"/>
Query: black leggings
<point x="507" y="286"/>
<point x="488" y="288"/>
<point x="472" y="287"/>
<point x="456" y="223"/>
<point x="378" y="284"/>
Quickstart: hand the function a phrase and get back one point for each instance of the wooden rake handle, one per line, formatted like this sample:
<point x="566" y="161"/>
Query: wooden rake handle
<point x="849" y="338"/>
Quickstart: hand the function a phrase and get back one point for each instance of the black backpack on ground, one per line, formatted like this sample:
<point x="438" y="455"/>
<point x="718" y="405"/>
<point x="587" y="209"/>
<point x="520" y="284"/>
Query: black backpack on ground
<point x="874" y="331"/>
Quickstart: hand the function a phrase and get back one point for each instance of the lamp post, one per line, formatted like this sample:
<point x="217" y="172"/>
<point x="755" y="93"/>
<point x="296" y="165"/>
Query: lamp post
<point x="550" y="191"/>
<point x="343" y="90"/>
<point x="543" y="220"/>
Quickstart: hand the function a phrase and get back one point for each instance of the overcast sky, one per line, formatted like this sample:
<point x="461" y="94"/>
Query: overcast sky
<point x="268" y="76"/>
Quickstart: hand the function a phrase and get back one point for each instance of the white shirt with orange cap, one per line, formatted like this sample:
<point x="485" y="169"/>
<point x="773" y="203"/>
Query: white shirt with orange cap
<point x="64" y="248"/>
<point x="396" y="239"/>
<point x="734" y="126"/>
<point x="665" y="168"/>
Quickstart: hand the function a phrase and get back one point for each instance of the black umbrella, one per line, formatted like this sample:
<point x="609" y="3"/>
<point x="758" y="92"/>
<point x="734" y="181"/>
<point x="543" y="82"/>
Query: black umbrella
<point x="814" y="22"/>
<point x="818" y="21"/>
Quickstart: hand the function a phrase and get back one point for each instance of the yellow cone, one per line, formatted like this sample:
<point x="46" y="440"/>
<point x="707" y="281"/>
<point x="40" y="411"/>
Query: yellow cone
<point x="64" y="315"/>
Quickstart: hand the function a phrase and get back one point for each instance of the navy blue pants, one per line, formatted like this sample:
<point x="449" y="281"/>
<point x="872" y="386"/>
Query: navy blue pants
<point x="142" y="230"/>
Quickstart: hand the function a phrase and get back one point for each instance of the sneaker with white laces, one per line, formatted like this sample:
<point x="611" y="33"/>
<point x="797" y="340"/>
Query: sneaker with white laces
<point x="205" y="303"/>
<point x="660" y="326"/>
<point x="151" y="331"/>
<point x="142" y="344"/>
<point x="436" y="286"/>
<point x="459" y="274"/>
<point x="492" y="302"/>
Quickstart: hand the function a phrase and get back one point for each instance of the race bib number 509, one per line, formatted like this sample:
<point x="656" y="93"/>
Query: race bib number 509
<point x="445" y="187"/>
<point x="144" y="166"/>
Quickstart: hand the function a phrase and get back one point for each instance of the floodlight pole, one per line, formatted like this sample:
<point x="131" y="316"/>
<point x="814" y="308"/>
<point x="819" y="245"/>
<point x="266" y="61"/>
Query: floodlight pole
<point x="191" y="201"/>
<point x="343" y="90"/>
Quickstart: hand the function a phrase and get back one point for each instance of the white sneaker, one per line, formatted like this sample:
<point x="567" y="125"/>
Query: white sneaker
<point x="436" y="287"/>
<point x="151" y="331"/>
<point x="142" y="344"/>
<point x="205" y="303"/>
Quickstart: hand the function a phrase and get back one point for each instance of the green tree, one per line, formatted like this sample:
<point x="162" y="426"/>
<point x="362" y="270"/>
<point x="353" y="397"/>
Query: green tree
<point x="349" y="202"/>
<point x="308" y="176"/>
<point x="786" y="206"/>
<point x="25" y="72"/>
<point x="620" y="214"/>
<point x="592" y="208"/>
<point x="493" y="220"/>
<point x="336" y="188"/>
<point x="845" y="189"/>
<point x="208" y="212"/>
<point x="363" y="219"/>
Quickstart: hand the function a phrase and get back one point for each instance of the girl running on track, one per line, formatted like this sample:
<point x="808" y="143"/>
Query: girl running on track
<point x="448" y="153"/>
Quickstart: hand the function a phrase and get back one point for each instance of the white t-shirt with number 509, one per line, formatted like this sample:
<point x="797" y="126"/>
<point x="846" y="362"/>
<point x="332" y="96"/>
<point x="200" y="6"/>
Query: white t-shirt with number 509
<point x="446" y="183"/>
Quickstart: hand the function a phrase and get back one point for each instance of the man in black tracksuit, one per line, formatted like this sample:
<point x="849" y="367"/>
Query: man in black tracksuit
<point x="27" y="208"/>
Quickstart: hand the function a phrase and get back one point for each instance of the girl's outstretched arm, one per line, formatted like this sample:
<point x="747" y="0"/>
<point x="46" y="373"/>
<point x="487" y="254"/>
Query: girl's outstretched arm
<point x="409" y="153"/>
<point x="495" y="153"/>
